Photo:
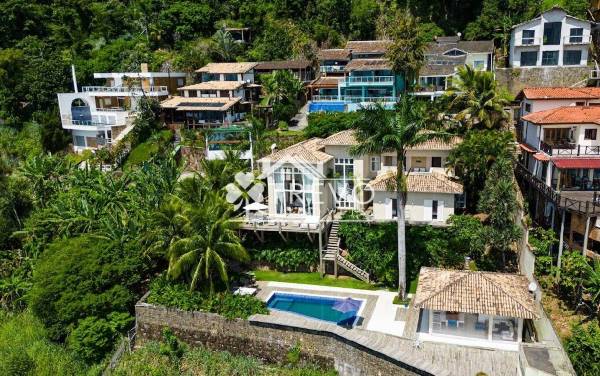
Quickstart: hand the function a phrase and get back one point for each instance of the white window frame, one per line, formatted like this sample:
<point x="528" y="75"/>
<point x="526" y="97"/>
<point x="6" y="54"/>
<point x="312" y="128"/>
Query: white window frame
<point x="342" y="182"/>
<point x="302" y="189"/>
<point x="375" y="164"/>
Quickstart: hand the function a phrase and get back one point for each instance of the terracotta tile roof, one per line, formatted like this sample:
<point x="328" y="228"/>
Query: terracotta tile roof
<point x="343" y="138"/>
<point x="283" y="64"/>
<point x="199" y="104"/>
<point x="326" y="81"/>
<point x="367" y="64"/>
<point x="497" y="294"/>
<point x="560" y="93"/>
<point x="428" y="182"/>
<point x="438" y="144"/>
<point x="341" y="54"/>
<point x="214" y="85"/>
<point x="368" y="46"/>
<point x="565" y="115"/>
<point x="430" y="69"/>
<point x="227" y="67"/>
<point x="305" y="151"/>
<point x="445" y="44"/>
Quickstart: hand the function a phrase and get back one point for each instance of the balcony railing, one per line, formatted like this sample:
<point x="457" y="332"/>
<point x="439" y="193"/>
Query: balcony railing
<point x="430" y="88"/>
<point x="369" y="79"/>
<point x="569" y="149"/>
<point x="579" y="39"/>
<point x="118" y="119"/>
<point x="325" y="98"/>
<point x="331" y="68"/>
<point x="123" y="89"/>
<point x="358" y="99"/>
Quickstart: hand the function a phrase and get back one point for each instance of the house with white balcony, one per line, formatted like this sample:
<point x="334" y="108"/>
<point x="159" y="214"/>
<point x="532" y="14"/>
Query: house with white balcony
<point x="553" y="39"/>
<point x="102" y="115"/>
<point x="223" y="96"/>
<point x="444" y="56"/>
<point x="310" y="179"/>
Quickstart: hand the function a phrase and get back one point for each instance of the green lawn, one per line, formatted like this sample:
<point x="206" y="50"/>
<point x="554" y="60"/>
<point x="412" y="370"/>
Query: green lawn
<point x="148" y="149"/>
<point x="313" y="279"/>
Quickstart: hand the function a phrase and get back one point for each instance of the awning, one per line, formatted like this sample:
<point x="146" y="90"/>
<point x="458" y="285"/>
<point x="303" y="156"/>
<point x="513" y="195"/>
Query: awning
<point x="541" y="157"/>
<point x="577" y="162"/>
<point x="527" y="148"/>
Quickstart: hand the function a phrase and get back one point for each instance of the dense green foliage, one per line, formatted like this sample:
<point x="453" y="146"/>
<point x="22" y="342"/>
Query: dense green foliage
<point x="158" y="359"/>
<point x="298" y="254"/>
<point x="169" y="294"/>
<point x="323" y="124"/>
<point x="583" y="348"/>
<point x="25" y="349"/>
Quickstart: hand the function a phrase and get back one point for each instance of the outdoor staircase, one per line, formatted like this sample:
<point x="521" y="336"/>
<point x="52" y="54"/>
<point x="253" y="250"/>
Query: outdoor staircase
<point x="332" y="253"/>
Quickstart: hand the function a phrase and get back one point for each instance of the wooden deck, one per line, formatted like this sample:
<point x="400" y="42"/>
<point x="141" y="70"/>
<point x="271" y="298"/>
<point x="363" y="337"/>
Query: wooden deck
<point x="280" y="226"/>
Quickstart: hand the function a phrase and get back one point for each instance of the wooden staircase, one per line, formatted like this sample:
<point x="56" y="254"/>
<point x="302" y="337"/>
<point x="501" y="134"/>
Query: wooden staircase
<point x="332" y="253"/>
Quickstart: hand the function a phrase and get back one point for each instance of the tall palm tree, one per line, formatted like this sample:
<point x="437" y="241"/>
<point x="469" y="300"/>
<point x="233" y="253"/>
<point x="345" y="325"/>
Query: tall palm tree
<point x="379" y="130"/>
<point x="224" y="46"/>
<point x="476" y="100"/>
<point x="209" y="241"/>
<point x="282" y="86"/>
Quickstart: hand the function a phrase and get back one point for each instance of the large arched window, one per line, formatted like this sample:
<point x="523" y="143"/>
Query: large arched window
<point x="80" y="111"/>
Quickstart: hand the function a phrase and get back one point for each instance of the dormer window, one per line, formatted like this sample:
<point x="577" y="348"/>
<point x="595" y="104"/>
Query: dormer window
<point x="455" y="52"/>
<point x="528" y="37"/>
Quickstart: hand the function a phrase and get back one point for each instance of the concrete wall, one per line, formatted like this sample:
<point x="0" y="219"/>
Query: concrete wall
<point x="516" y="79"/>
<point x="271" y="343"/>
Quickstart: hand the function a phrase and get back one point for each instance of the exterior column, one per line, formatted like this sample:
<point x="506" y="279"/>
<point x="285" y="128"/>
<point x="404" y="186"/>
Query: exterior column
<point x="321" y="269"/>
<point x="586" y="235"/>
<point x="490" y="327"/>
<point x="548" y="176"/>
<point x="520" y="330"/>
<point x="560" y="244"/>
<point x="430" y="320"/>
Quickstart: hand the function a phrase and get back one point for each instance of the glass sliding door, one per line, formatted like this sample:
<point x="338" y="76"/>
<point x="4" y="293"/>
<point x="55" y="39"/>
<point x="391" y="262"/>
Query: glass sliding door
<point x="293" y="192"/>
<point x="344" y="182"/>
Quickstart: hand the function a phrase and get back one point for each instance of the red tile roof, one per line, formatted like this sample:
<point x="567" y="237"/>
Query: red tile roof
<point x="577" y="162"/>
<point x="560" y="93"/>
<point x="565" y="115"/>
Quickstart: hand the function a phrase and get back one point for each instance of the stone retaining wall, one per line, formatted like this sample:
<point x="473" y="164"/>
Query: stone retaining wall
<point x="269" y="342"/>
<point x="515" y="79"/>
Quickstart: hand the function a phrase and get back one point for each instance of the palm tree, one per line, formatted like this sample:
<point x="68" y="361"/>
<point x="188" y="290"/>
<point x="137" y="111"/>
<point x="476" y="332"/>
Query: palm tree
<point x="209" y="241"/>
<point x="379" y="130"/>
<point x="166" y="226"/>
<point x="591" y="284"/>
<point x="224" y="46"/>
<point x="282" y="86"/>
<point x="476" y="100"/>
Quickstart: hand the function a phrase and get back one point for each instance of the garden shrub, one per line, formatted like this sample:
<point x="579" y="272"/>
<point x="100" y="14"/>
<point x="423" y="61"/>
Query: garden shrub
<point x="295" y="256"/>
<point x="583" y="348"/>
<point x="176" y="295"/>
<point x="284" y="111"/>
<point x="324" y="124"/>
<point x="573" y="273"/>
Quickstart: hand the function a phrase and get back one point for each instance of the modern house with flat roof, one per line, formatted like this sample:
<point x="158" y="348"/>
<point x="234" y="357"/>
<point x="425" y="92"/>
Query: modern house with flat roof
<point x="222" y="97"/>
<point x="559" y="164"/>
<point x="484" y="309"/>
<point x="355" y="76"/>
<point x="553" y="39"/>
<point x="443" y="58"/>
<point x="102" y="115"/>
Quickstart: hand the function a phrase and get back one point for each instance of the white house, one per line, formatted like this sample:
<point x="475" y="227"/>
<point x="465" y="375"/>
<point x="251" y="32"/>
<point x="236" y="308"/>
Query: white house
<point x="552" y="39"/>
<point x="102" y="115"/>
<point x="307" y="180"/>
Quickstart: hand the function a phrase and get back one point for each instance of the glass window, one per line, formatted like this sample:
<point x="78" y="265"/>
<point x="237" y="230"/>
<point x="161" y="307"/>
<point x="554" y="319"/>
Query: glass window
<point x="434" y="209"/>
<point x="293" y="191"/>
<point x="436" y="161"/>
<point x="527" y="107"/>
<point x="231" y="77"/>
<point x="528" y="37"/>
<point x="552" y="33"/>
<point x="344" y="183"/>
<point x="460" y="324"/>
<point x="79" y="140"/>
<point x="505" y="329"/>
<point x="388" y="161"/>
<point x="455" y="52"/>
<point x="394" y="208"/>
<point x="572" y="57"/>
<point x="550" y="58"/>
<point x="576" y="35"/>
<point x="590" y="134"/>
<point x="479" y="64"/>
<point x="529" y="58"/>
<point x="375" y="164"/>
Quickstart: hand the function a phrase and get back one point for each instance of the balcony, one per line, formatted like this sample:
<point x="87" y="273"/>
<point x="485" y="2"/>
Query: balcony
<point x="331" y="68"/>
<point x="351" y="80"/>
<point x="126" y="90"/>
<point x="97" y="121"/>
<point x="325" y="98"/>
<point x="430" y="89"/>
<point x="575" y="40"/>
<point x="524" y="42"/>
<point x="359" y="99"/>
<point x="568" y="149"/>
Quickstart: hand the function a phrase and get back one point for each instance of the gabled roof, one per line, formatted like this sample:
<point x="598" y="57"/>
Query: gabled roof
<point x="343" y="138"/>
<point x="326" y="81"/>
<point x="367" y="64"/>
<point x="428" y="182"/>
<point x="283" y="64"/>
<point x="438" y="144"/>
<point x="368" y="46"/>
<point x="199" y="104"/>
<point x="497" y="294"/>
<point x="341" y="54"/>
<point x="565" y="115"/>
<point x="305" y="151"/>
<point x="214" y="85"/>
<point x="227" y="67"/>
<point x="559" y="93"/>
<point x="539" y="16"/>
<point x="469" y="46"/>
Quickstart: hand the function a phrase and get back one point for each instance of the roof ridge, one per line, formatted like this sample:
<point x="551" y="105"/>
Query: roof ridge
<point x="443" y="288"/>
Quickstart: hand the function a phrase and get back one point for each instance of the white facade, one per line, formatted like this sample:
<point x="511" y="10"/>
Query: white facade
<point x="552" y="39"/>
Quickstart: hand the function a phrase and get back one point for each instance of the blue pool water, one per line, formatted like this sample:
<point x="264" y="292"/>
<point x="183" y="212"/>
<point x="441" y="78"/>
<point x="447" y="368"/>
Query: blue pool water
<point x="318" y="307"/>
<point x="327" y="107"/>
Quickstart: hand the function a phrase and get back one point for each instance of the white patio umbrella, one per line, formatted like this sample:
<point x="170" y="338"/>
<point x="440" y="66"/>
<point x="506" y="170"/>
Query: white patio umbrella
<point x="255" y="206"/>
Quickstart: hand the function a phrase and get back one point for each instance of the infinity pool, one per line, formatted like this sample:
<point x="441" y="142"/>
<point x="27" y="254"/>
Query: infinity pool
<point x="318" y="307"/>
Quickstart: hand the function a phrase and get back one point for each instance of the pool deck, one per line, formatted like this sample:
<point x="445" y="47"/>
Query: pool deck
<point x="382" y="330"/>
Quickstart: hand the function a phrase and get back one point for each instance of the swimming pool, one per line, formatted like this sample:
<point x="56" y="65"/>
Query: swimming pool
<point x="314" y="306"/>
